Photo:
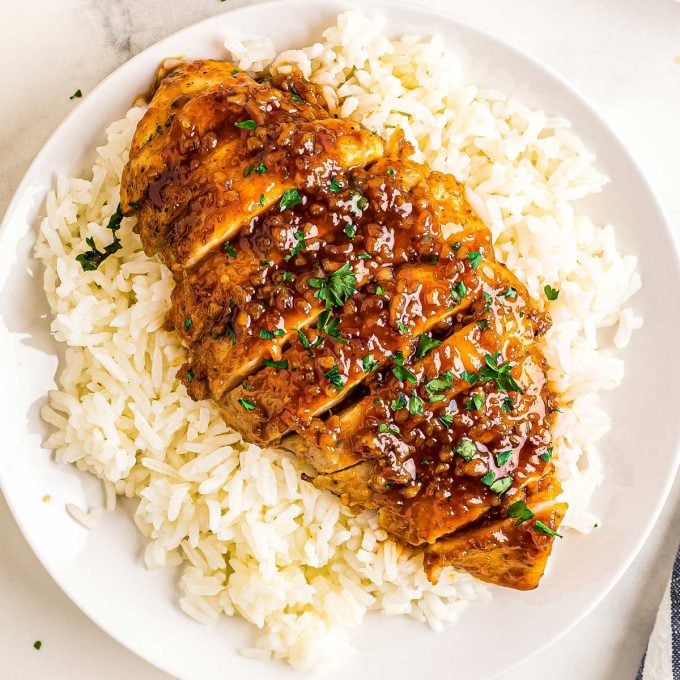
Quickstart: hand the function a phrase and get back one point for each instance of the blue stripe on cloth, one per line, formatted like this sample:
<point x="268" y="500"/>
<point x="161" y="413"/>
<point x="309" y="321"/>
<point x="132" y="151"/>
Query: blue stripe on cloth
<point x="642" y="668"/>
<point x="675" y="617"/>
<point x="675" y="624"/>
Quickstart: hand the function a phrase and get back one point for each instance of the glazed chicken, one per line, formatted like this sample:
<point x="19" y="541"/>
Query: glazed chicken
<point x="343" y="302"/>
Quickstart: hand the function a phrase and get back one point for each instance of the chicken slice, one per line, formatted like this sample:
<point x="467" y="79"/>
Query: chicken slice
<point x="501" y="552"/>
<point x="229" y="201"/>
<point x="195" y="106"/>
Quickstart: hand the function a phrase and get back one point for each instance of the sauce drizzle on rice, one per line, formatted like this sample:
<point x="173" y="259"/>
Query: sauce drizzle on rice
<point x="253" y="537"/>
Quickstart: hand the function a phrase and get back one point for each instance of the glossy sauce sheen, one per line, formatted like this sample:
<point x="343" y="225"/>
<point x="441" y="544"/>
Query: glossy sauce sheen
<point x="344" y="301"/>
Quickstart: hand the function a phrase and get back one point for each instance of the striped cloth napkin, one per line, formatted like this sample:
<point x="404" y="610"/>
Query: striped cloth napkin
<point x="662" y="658"/>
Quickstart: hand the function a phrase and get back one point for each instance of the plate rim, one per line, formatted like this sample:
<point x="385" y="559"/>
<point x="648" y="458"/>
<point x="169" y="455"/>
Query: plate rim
<point x="434" y="14"/>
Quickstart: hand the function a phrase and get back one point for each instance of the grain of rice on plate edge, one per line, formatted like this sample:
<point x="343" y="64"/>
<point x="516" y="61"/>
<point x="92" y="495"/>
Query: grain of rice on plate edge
<point x="251" y="537"/>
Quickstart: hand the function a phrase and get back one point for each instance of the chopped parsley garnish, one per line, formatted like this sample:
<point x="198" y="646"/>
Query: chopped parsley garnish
<point x="235" y="71"/>
<point x="507" y="404"/>
<point x="402" y="327"/>
<point x="350" y="230"/>
<point x="260" y="169"/>
<point x="391" y="172"/>
<point x="304" y="341"/>
<point x="247" y="404"/>
<point x="547" y="455"/>
<point x="266" y="263"/>
<point x="333" y="375"/>
<point x="228" y="249"/>
<point x="503" y="457"/>
<point x="551" y="294"/>
<point x="510" y="293"/>
<point x="379" y="290"/>
<point x="440" y="384"/>
<point x="433" y="398"/>
<point x="474" y="258"/>
<point x="358" y="203"/>
<point x="287" y="276"/>
<point x="335" y="186"/>
<point x="369" y="363"/>
<point x="400" y="371"/>
<point x="300" y="244"/>
<point x="399" y="403"/>
<point x="500" y="373"/>
<point x="295" y="96"/>
<point x="521" y="511"/>
<point x="328" y="324"/>
<point x="335" y="290"/>
<point x="188" y="323"/>
<point x="466" y="448"/>
<point x="545" y="529"/>
<point x="470" y="378"/>
<point x="270" y="335"/>
<point x="389" y="429"/>
<point x="261" y="199"/>
<point x="425" y="344"/>
<point x="246" y="125"/>
<point x="458" y="292"/>
<point x="290" y="198"/>
<point x="91" y="259"/>
<point x="278" y="365"/>
<point x="446" y="419"/>
<point x="488" y="300"/>
<point x="190" y="375"/>
<point x="229" y="332"/>
<point x="483" y="325"/>
<point x="415" y="405"/>
<point x="474" y="403"/>
<point x="364" y="256"/>
<point x="500" y="486"/>
<point x="488" y="478"/>
<point x="77" y="94"/>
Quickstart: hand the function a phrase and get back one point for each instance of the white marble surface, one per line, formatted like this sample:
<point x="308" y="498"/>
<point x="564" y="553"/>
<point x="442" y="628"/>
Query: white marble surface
<point x="623" y="54"/>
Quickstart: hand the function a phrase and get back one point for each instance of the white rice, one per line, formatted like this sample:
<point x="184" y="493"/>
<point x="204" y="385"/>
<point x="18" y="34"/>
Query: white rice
<point x="251" y="537"/>
<point x="86" y="518"/>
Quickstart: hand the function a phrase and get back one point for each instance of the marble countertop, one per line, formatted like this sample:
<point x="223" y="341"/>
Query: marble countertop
<point x="623" y="54"/>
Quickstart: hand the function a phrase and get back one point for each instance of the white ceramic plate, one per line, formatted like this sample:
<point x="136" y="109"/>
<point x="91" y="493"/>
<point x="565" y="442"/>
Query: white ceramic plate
<point x="101" y="570"/>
